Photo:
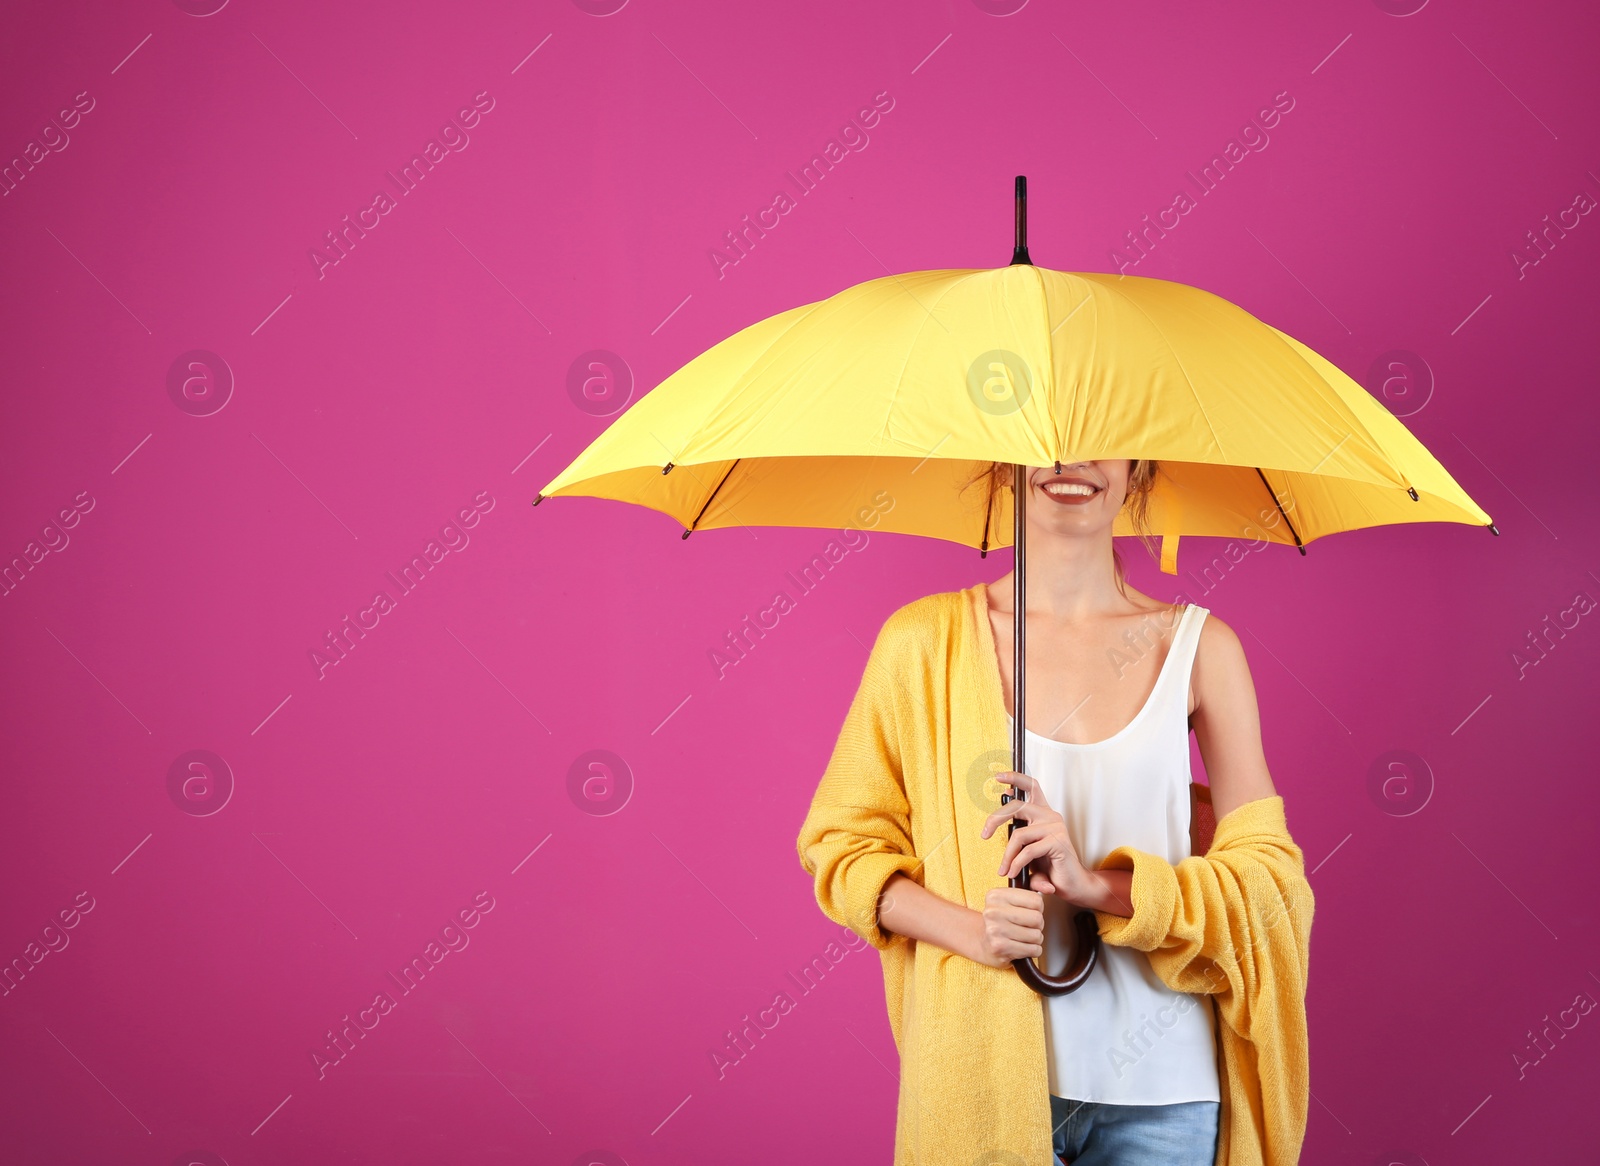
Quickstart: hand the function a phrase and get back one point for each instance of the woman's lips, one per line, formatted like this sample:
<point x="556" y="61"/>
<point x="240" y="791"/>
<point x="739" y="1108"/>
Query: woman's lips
<point x="1075" y="497"/>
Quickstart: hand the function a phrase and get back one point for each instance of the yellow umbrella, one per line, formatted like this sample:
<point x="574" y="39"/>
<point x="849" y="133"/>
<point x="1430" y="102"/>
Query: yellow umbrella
<point x="878" y="405"/>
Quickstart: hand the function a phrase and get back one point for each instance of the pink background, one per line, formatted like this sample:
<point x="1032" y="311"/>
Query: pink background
<point x="343" y="816"/>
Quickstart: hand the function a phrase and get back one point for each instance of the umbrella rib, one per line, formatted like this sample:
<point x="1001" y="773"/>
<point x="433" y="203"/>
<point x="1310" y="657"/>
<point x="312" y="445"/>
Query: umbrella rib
<point x="988" y="512"/>
<point x="738" y="384"/>
<point x="1331" y="392"/>
<point x="1276" y="503"/>
<point x="695" y="524"/>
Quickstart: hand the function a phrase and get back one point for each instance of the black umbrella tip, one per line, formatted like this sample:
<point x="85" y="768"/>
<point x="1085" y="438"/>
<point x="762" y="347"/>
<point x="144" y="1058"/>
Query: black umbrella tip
<point x="538" y="498"/>
<point x="1494" y="530"/>
<point x="1019" y="253"/>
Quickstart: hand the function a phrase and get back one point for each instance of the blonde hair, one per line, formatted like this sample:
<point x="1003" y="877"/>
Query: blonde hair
<point x="1141" y="481"/>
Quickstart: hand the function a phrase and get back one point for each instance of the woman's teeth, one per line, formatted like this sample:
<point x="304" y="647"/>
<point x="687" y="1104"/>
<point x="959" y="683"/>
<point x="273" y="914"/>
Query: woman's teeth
<point x="1068" y="488"/>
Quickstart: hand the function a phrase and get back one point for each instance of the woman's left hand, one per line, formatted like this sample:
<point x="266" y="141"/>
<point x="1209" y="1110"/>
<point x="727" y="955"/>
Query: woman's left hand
<point x="1041" y="844"/>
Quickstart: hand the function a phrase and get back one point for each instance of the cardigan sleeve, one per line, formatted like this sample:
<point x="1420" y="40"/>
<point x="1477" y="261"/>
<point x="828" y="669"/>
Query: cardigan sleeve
<point x="857" y="833"/>
<point x="1234" y="924"/>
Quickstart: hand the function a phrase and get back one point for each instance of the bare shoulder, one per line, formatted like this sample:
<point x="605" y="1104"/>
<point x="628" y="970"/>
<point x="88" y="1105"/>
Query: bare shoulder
<point x="1218" y="640"/>
<point x="1221" y="670"/>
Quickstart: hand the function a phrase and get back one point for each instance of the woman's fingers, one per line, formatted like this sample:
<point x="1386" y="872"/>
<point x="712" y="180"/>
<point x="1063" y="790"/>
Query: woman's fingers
<point x="1021" y="921"/>
<point x="1035" y="806"/>
<point x="1020" y="932"/>
<point x="1013" y="921"/>
<point x="1026" y="784"/>
<point x="1039" y="848"/>
<point x="1007" y="931"/>
<point x="1013" y="897"/>
<point x="1026" y="811"/>
<point x="1020" y="943"/>
<point x="1019" y="780"/>
<point x="1016" y="905"/>
<point x="1016" y="842"/>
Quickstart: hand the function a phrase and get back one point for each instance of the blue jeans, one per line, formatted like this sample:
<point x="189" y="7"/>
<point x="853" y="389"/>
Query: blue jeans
<point x="1097" y="1133"/>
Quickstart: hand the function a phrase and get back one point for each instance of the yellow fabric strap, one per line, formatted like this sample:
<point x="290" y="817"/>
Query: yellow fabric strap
<point x="1169" y="553"/>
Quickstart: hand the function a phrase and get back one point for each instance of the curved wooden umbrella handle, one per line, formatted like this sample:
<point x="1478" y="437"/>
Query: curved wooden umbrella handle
<point x="1085" y="949"/>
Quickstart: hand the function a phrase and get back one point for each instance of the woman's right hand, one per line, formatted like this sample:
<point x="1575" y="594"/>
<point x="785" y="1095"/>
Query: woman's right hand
<point x="1011" y="926"/>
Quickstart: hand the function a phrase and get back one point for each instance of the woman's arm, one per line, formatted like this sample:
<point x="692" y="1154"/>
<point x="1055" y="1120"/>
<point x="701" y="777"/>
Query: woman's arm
<point x="857" y="841"/>
<point x="1011" y="925"/>
<point x="1250" y="885"/>
<point x="857" y="833"/>
<point x="1227" y="720"/>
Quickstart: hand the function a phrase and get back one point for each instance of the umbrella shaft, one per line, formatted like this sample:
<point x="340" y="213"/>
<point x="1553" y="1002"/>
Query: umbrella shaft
<point x="1019" y="596"/>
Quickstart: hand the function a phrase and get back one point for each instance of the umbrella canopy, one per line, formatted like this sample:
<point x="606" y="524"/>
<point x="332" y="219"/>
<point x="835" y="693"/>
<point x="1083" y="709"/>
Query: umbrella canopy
<point x="912" y="384"/>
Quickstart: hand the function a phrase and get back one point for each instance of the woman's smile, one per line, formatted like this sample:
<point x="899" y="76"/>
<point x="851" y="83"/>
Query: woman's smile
<point x="1070" y="489"/>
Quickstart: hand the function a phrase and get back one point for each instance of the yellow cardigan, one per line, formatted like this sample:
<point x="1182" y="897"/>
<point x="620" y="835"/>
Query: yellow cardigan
<point x="908" y="788"/>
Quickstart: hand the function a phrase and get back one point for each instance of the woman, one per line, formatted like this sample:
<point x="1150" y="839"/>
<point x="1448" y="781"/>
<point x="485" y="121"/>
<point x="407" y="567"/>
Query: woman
<point x="1136" y="1063"/>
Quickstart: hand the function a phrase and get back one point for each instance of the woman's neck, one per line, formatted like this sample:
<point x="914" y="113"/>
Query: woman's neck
<point x="1069" y="578"/>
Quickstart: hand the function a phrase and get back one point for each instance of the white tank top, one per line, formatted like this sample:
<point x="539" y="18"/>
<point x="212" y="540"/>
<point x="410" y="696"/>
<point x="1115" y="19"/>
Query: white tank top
<point x="1124" y="1037"/>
